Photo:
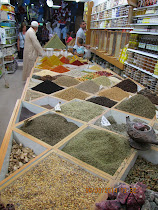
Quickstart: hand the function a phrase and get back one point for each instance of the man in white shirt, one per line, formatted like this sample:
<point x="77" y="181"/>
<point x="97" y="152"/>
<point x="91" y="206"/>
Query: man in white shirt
<point x="81" y="34"/>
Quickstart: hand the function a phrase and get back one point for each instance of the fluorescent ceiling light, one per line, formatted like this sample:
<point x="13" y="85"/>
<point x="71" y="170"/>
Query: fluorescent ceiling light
<point x="50" y="3"/>
<point x="56" y="6"/>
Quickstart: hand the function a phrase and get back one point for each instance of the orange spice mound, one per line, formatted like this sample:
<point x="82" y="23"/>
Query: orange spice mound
<point x="64" y="60"/>
<point x="60" y="69"/>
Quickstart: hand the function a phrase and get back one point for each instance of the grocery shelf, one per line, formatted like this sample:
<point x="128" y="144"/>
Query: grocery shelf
<point x="144" y="32"/>
<point x="10" y="72"/>
<point x="108" y="58"/>
<point x="9" y="45"/>
<point x="5" y="62"/>
<point x="148" y="15"/>
<point x="140" y="8"/>
<point x="7" y="20"/>
<point x="118" y="28"/>
<point x="142" y="70"/>
<point x="110" y="18"/>
<point x="145" y="24"/>
<point x="143" y="53"/>
<point x="10" y="37"/>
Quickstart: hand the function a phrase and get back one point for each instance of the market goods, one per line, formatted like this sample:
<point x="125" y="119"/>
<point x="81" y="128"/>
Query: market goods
<point x="25" y="113"/>
<point x="64" y="60"/>
<point x="50" y="128"/>
<point x="125" y="197"/>
<point x="45" y="73"/>
<point x="60" y="69"/>
<point x="101" y="149"/>
<point x="47" y="106"/>
<point x="103" y="101"/>
<point x="53" y="183"/>
<point x="145" y="172"/>
<point x="75" y="73"/>
<point x="19" y="156"/>
<point x="88" y="86"/>
<point x="151" y="200"/>
<point x="139" y="105"/>
<point x="55" y="43"/>
<point x="47" y="77"/>
<point x="72" y="93"/>
<point x="47" y="87"/>
<point x="31" y="95"/>
<point x="127" y="85"/>
<point x="77" y="63"/>
<point x="6" y="207"/>
<point x="104" y="73"/>
<point x="33" y="83"/>
<point x="104" y="81"/>
<point x="89" y="76"/>
<point x="82" y="110"/>
<point x="150" y="95"/>
<point x="114" y="79"/>
<point x="66" y="81"/>
<point x="114" y="93"/>
<point x="96" y="67"/>
<point x="50" y="62"/>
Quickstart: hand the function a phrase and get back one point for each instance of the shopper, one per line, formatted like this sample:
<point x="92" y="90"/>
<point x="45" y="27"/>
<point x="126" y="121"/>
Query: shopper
<point x="45" y="34"/>
<point x="81" y="34"/>
<point x="80" y="48"/>
<point x="21" y="40"/>
<point x="57" y="30"/>
<point x="32" y="49"/>
<point x="64" y="33"/>
<point x="68" y="38"/>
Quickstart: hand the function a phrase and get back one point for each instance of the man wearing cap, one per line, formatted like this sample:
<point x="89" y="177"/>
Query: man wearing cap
<point x="32" y="49"/>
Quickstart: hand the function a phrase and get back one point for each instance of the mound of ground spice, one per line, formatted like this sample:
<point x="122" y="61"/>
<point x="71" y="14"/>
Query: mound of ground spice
<point x="77" y="63"/>
<point x="31" y="95"/>
<point x="47" y="77"/>
<point x="150" y="95"/>
<point x="127" y="85"/>
<point x="89" y="76"/>
<point x="75" y="73"/>
<point x="47" y="87"/>
<point x="44" y="73"/>
<point x="88" y="86"/>
<point x="50" y="128"/>
<point x="101" y="149"/>
<point x="72" y="93"/>
<point x="60" y="69"/>
<point x="66" y="81"/>
<point x="114" y="93"/>
<point x="139" y="105"/>
<point x="102" y="81"/>
<point x="82" y="110"/>
<point x="104" y="73"/>
<point x="114" y="80"/>
<point x="25" y="113"/>
<point x="64" y="60"/>
<point x="103" y="101"/>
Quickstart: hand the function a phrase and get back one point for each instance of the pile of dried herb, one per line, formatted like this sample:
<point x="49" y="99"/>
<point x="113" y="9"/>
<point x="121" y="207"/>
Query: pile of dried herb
<point x="31" y="95"/>
<point x="53" y="183"/>
<point x="66" y="81"/>
<point x="88" y="86"/>
<point x="47" y="87"/>
<point x="139" y="105"/>
<point x="127" y="85"/>
<point x="114" y="93"/>
<point x="101" y="149"/>
<point x="150" y="95"/>
<point x="71" y="93"/>
<point x="103" y="80"/>
<point x="144" y="171"/>
<point x="103" y="101"/>
<point x="82" y="110"/>
<point x="50" y="128"/>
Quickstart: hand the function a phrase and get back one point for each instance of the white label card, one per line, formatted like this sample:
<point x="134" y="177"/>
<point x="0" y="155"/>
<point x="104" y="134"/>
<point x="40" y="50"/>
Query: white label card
<point x="138" y="88"/>
<point x="57" y="107"/>
<point x="104" y="121"/>
<point x="156" y="114"/>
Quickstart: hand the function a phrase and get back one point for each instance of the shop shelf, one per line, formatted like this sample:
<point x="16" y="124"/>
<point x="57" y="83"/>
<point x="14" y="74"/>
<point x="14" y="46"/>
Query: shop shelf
<point x="148" y="15"/>
<point x="143" y="53"/>
<point x="144" y="32"/>
<point x="140" y="8"/>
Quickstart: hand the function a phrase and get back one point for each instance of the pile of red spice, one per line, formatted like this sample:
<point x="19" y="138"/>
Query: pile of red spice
<point x="77" y="63"/>
<point x="60" y="69"/>
<point x="64" y="60"/>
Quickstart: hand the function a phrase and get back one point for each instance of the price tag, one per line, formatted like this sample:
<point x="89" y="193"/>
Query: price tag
<point x="130" y="96"/>
<point x="156" y="114"/>
<point x="101" y="87"/>
<point x="138" y="88"/>
<point x="104" y="121"/>
<point x="57" y="107"/>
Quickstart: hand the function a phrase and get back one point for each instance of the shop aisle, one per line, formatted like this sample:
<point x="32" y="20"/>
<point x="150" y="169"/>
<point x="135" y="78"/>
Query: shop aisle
<point x="8" y="97"/>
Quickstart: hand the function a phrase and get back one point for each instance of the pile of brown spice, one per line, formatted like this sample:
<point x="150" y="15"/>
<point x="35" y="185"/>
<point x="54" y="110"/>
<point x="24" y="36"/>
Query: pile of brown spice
<point x="150" y="95"/>
<point x="127" y="85"/>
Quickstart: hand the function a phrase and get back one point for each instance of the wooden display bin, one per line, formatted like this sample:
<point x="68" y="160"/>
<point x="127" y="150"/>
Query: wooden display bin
<point x="38" y="149"/>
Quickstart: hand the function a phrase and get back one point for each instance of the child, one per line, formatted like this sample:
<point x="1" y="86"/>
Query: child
<point x="80" y="48"/>
<point x="68" y="38"/>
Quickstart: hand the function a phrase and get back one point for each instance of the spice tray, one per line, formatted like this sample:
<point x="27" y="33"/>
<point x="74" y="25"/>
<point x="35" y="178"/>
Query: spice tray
<point x="50" y="100"/>
<point x="33" y="82"/>
<point x="69" y="119"/>
<point x="61" y="145"/>
<point x="31" y="107"/>
<point x="30" y="95"/>
<point x="119" y="117"/>
<point x="150" y="155"/>
<point x="38" y="149"/>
